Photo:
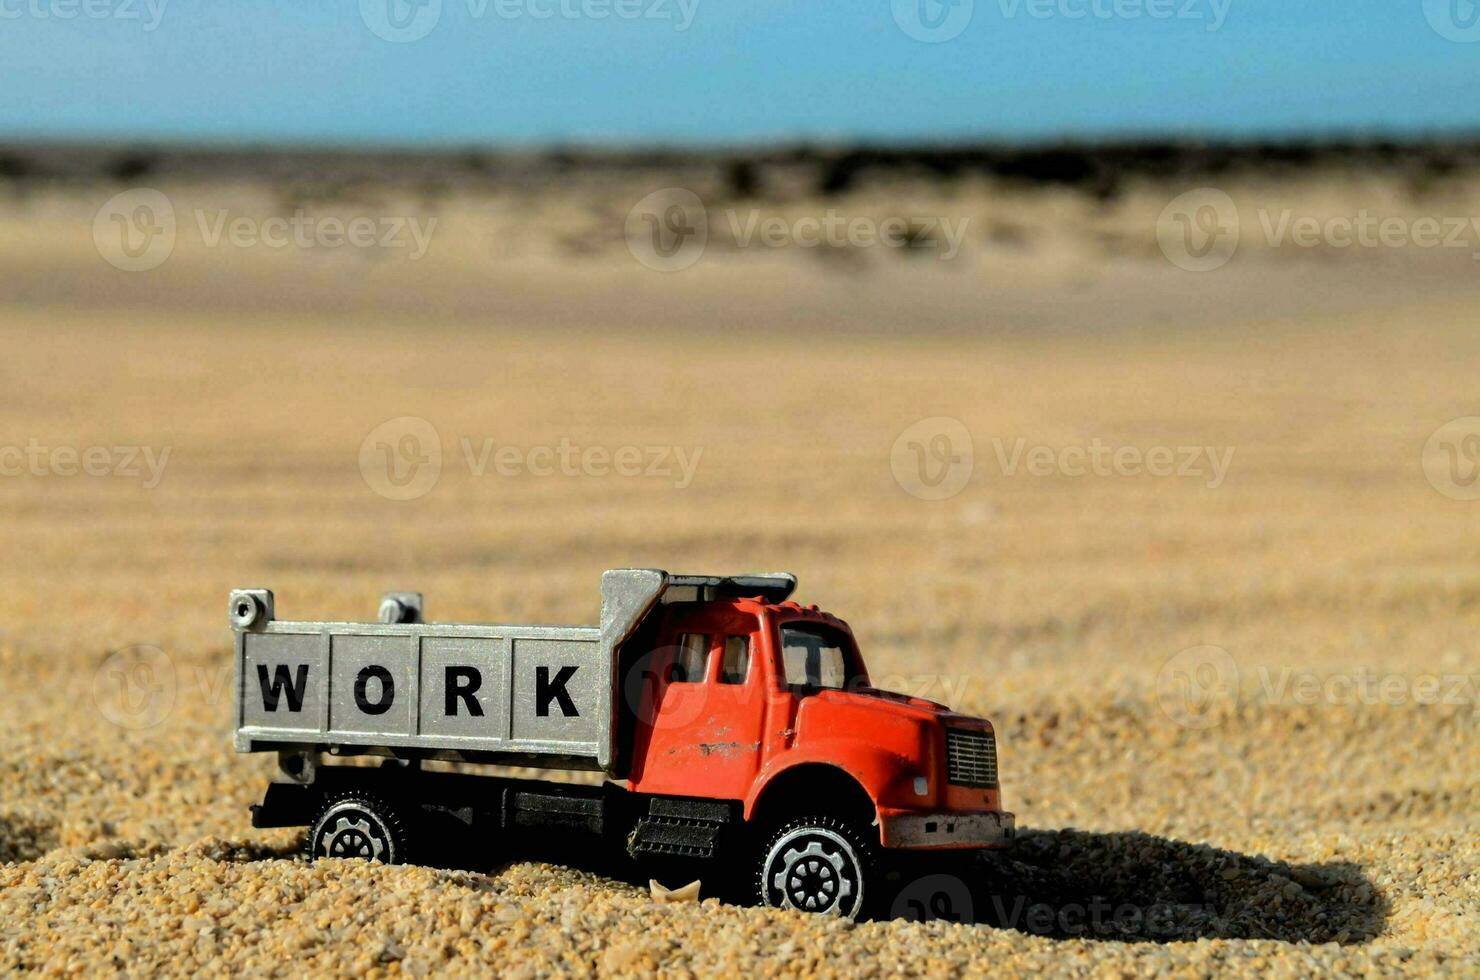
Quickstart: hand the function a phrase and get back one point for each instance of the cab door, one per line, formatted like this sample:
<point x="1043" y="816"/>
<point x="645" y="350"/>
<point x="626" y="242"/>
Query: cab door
<point x="704" y="719"/>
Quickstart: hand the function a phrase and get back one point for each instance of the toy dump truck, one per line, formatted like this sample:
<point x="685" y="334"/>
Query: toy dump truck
<point x="728" y="720"/>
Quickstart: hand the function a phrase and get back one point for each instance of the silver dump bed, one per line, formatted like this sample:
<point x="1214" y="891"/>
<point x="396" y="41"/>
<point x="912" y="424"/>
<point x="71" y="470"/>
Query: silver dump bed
<point x="481" y="693"/>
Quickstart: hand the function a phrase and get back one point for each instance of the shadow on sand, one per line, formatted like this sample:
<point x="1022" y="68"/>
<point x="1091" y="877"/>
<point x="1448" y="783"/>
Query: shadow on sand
<point x="1137" y="887"/>
<point x="25" y="838"/>
<point x="1071" y="884"/>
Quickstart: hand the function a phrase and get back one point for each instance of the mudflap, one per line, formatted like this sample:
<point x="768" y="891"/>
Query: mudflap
<point x="286" y="805"/>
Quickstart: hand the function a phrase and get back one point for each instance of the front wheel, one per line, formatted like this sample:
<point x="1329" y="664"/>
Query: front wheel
<point x="816" y="864"/>
<point x="358" y="825"/>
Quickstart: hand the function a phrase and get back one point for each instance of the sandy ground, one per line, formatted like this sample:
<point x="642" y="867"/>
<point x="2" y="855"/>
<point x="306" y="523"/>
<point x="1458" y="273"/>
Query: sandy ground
<point x="1235" y="698"/>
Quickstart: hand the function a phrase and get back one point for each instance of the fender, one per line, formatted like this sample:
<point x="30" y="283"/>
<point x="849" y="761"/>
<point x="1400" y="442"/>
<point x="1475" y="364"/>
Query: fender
<point x="886" y="777"/>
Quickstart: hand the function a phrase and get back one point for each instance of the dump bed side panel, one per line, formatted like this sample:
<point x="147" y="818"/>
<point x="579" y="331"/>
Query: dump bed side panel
<point x="515" y="691"/>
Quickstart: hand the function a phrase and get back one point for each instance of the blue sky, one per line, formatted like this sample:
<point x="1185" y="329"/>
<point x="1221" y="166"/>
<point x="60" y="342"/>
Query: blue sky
<point x="705" y="71"/>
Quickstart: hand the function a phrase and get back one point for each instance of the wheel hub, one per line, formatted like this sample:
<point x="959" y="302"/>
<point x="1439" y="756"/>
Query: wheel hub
<point x="812" y="872"/>
<point x="355" y="839"/>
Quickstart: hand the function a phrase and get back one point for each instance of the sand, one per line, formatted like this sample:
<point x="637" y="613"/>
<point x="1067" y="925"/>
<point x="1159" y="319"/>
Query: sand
<point x="1235" y="702"/>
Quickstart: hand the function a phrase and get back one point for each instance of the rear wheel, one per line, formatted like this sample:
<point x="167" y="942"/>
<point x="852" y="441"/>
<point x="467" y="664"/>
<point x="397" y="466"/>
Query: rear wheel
<point x="816" y="864"/>
<point x="358" y="825"/>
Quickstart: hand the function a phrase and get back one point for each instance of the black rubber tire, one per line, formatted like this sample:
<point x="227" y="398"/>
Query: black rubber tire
<point x="818" y="864"/>
<point x="352" y="824"/>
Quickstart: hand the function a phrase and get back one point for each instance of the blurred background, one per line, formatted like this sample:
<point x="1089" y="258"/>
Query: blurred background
<point x="1109" y="365"/>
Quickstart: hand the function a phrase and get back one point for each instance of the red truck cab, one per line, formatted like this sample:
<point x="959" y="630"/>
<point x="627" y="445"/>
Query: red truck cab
<point x="770" y="704"/>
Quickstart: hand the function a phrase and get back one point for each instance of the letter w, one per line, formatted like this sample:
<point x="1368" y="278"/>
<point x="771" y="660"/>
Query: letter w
<point x="273" y="690"/>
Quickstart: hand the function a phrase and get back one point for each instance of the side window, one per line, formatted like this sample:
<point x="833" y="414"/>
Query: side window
<point x="736" y="664"/>
<point x="688" y="663"/>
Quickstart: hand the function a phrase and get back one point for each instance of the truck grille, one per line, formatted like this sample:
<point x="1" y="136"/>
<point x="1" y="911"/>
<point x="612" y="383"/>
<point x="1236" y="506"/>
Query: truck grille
<point x="971" y="758"/>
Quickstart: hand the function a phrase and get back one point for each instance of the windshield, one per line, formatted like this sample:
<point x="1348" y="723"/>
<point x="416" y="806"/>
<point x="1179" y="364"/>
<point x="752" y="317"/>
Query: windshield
<point x="814" y="657"/>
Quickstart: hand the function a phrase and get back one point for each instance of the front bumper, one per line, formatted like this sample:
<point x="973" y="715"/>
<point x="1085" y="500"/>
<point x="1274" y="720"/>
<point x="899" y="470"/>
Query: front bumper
<point x="911" y="830"/>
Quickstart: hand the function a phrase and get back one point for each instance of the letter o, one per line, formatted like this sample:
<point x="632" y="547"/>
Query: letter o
<point x="387" y="690"/>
